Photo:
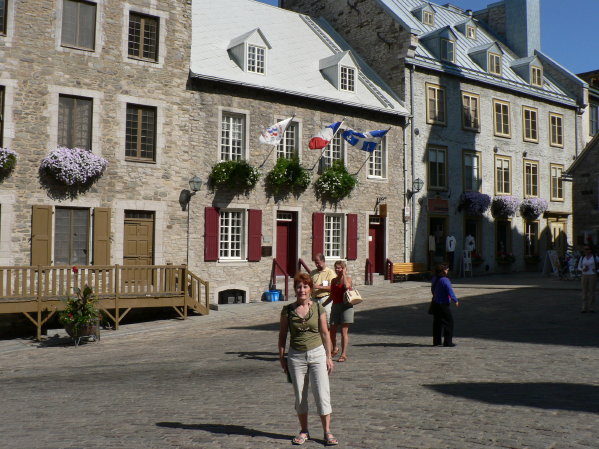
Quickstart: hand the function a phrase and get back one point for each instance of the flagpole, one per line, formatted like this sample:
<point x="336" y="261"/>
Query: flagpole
<point x="370" y="154"/>
<point x="329" y="142"/>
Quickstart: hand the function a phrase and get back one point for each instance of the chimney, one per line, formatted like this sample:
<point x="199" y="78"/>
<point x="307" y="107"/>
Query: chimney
<point x="523" y="26"/>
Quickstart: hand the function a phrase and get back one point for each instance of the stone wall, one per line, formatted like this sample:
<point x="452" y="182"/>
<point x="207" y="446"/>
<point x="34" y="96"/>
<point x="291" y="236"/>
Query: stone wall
<point x="586" y="195"/>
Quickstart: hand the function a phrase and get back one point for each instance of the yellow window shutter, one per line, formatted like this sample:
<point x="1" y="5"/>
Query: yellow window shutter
<point x="101" y="244"/>
<point x="41" y="235"/>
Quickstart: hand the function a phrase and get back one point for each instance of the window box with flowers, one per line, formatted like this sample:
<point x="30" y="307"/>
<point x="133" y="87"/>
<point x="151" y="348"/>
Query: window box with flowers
<point x="335" y="183"/>
<point x="287" y="176"/>
<point x="73" y="167"/>
<point x="236" y="175"/>
<point x="8" y="161"/>
<point x="533" y="208"/>
<point x="474" y="203"/>
<point x="504" y="206"/>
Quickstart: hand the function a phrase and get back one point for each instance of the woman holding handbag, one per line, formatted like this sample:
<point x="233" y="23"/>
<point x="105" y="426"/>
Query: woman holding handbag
<point x="341" y="314"/>
<point x="440" y="306"/>
<point x="309" y="357"/>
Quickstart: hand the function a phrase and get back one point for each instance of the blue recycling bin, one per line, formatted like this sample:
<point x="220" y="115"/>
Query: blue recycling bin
<point x="272" y="295"/>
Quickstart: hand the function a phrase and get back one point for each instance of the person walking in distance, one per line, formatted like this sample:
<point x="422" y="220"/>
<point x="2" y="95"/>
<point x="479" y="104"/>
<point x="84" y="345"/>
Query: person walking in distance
<point x="589" y="267"/>
<point x="442" y="296"/>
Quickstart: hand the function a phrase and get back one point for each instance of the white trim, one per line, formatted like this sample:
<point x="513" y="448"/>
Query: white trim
<point x="7" y="221"/>
<point x="222" y="110"/>
<point x="247" y="58"/>
<point x="343" y="231"/>
<point x="99" y="36"/>
<point x="243" y="250"/>
<point x="162" y="16"/>
<point x="10" y="87"/>
<point x="382" y="147"/>
<point x="299" y="143"/>
<point x="7" y="39"/>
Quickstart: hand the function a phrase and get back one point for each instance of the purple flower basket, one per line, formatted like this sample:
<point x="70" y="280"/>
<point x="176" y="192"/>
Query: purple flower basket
<point x="74" y="166"/>
<point x="504" y="206"/>
<point x="532" y="208"/>
<point x="475" y="203"/>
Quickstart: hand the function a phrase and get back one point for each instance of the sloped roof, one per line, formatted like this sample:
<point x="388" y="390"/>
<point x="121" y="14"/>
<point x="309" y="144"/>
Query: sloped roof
<point x="593" y="145"/>
<point x="464" y="65"/>
<point x="292" y="64"/>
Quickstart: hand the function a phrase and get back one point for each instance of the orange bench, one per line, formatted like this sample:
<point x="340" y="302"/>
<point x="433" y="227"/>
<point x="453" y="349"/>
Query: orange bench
<point x="403" y="270"/>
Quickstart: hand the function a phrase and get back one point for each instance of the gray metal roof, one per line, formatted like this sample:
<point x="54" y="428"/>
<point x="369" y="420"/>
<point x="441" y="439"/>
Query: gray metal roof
<point x="298" y="45"/>
<point x="465" y="66"/>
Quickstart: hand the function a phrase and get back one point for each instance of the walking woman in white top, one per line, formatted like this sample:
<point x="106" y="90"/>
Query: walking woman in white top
<point x="589" y="266"/>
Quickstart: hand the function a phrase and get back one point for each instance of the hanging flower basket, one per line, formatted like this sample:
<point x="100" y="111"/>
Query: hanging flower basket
<point x="237" y="175"/>
<point x="532" y="208"/>
<point x="474" y="203"/>
<point x="8" y="160"/>
<point x="504" y="206"/>
<point x="287" y="176"/>
<point x="335" y="183"/>
<point x="73" y="166"/>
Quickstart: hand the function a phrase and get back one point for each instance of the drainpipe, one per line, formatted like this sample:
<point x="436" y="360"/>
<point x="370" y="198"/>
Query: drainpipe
<point x="412" y="158"/>
<point x="405" y="187"/>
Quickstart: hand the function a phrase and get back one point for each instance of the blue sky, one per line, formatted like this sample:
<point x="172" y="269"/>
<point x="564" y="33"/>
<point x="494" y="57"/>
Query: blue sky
<point x="568" y="30"/>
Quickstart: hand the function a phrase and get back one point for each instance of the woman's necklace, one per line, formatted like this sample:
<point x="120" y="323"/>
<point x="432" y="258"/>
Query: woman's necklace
<point x="304" y="319"/>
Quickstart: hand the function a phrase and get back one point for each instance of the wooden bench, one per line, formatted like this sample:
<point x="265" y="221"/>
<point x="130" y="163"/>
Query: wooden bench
<point x="403" y="270"/>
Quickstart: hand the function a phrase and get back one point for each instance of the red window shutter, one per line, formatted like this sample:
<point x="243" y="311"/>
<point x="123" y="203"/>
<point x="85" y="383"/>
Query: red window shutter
<point x="211" y="225"/>
<point x="352" y="236"/>
<point x="317" y="233"/>
<point x="254" y="235"/>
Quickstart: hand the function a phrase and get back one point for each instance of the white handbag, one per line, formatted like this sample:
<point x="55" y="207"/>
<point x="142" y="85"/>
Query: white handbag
<point x="352" y="297"/>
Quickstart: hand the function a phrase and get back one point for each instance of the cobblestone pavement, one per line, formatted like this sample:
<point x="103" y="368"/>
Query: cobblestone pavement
<point x="524" y="375"/>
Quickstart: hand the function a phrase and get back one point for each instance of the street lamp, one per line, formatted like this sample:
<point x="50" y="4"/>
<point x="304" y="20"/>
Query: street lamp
<point x="417" y="185"/>
<point x="195" y="184"/>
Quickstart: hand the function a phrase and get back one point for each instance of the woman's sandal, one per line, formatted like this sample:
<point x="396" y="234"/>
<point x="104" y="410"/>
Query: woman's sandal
<point x="335" y="352"/>
<point x="330" y="440"/>
<point x="300" y="438"/>
<point x="343" y="358"/>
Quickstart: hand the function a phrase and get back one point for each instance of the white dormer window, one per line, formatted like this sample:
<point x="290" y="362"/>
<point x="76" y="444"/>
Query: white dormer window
<point x="536" y="76"/>
<point x="494" y="64"/>
<point x="256" y="57"/>
<point x="348" y="77"/>
<point x="447" y="50"/>
<point x="471" y="32"/>
<point x="428" y="18"/>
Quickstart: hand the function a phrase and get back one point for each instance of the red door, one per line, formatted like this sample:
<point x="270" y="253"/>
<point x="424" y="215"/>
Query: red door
<point x="376" y="243"/>
<point x="286" y="242"/>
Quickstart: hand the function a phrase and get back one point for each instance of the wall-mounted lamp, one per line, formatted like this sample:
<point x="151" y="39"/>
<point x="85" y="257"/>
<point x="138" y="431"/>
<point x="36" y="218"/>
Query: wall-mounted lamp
<point x="417" y="185"/>
<point x="495" y="149"/>
<point x="524" y="153"/>
<point x="195" y="184"/>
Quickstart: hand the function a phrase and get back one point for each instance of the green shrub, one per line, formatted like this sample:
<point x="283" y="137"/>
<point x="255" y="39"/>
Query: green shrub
<point x="236" y="175"/>
<point x="287" y="176"/>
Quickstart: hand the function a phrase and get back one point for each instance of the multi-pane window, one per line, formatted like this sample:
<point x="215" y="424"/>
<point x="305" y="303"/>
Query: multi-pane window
<point x="531" y="238"/>
<point x="428" y="18"/>
<point x="348" y="79"/>
<point x="333" y="152"/>
<point x="557" y="183"/>
<point x="71" y="236"/>
<point x="472" y="179"/>
<point x="594" y="119"/>
<point x="143" y="36"/>
<point x="503" y="237"/>
<point x="502" y="175"/>
<point x="333" y="236"/>
<point x="447" y="50"/>
<point x="536" y="76"/>
<point x="556" y="130"/>
<point x="531" y="178"/>
<point x="78" y="24"/>
<point x="1" y="115"/>
<point x="502" y="118"/>
<point x="470" y="111"/>
<point x="473" y="227"/>
<point x="435" y="104"/>
<point x="3" y="16"/>
<point x="494" y="63"/>
<point x="437" y="168"/>
<point x="140" y="133"/>
<point x="289" y="145"/>
<point x="377" y="162"/>
<point x="232" y="137"/>
<point x="256" y="57"/>
<point x="231" y="234"/>
<point x="530" y="129"/>
<point x="471" y="32"/>
<point x="75" y="122"/>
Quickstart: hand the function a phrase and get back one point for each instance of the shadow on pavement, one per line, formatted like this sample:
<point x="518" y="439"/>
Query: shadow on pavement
<point x="225" y="429"/>
<point x="560" y="396"/>
<point x="264" y="356"/>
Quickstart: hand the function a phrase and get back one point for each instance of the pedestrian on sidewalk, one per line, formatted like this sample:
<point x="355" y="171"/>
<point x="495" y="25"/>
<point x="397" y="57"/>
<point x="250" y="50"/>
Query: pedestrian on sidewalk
<point x="309" y="357"/>
<point x="322" y="277"/>
<point x="588" y="265"/>
<point x="341" y="314"/>
<point x="443" y="294"/>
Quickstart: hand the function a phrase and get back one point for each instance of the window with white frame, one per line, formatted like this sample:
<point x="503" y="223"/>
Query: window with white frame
<point x="71" y="236"/>
<point x="333" y="236"/>
<point x="502" y="118"/>
<point x="530" y="128"/>
<point x="557" y="183"/>
<point x="503" y="182"/>
<point x="3" y="16"/>
<point x="435" y="104"/>
<point x="232" y="225"/>
<point x="494" y="63"/>
<point x="75" y="122"/>
<point x="470" y="111"/>
<point x="377" y="162"/>
<point x="256" y="57"/>
<point x="556" y="131"/>
<point x="536" y="76"/>
<point x="333" y="152"/>
<point x="428" y="18"/>
<point x="348" y="79"/>
<point x="232" y="137"/>
<point x="471" y="32"/>
<point x="531" y="238"/>
<point x="78" y="24"/>
<point x="289" y="145"/>
<point x="531" y="178"/>
<point x="472" y="178"/>
<point x="447" y="50"/>
<point x="437" y="168"/>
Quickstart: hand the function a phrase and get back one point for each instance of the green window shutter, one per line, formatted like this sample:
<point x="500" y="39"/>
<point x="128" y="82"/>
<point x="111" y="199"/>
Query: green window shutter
<point x="101" y="242"/>
<point x="41" y="235"/>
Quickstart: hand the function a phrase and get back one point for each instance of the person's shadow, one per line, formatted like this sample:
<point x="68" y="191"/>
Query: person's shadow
<point x="224" y="429"/>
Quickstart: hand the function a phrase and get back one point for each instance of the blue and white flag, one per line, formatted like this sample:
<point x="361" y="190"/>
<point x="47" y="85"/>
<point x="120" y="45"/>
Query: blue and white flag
<point x="364" y="141"/>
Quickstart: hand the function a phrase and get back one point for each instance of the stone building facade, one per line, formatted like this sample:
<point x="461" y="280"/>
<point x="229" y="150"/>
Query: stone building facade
<point x="491" y="114"/>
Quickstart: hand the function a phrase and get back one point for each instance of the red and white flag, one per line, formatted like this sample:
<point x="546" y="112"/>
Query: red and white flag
<point x="273" y="134"/>
<point x="322" y="139"/>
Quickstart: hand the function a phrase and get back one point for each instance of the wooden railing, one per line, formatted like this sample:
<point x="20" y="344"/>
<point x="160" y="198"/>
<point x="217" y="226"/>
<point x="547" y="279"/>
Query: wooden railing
<point x="389" y="270"/>
<point x="301" y="264"/>
<point x="41" y="289"/>
<point x="368" y="276"/>
<point x="273" y="277"/>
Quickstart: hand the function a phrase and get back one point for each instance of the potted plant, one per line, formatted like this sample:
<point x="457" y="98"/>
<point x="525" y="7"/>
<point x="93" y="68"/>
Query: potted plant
<point x="73" y="167"/>
<point x="474" y="203"/>
<point x="335" y="183"/>
<point x="8" y="160"/>
<point x="81" y="317"/>
<point x="287" y="176"/>
<point x="236" y="175"/>
<point x="532" y="208"/>
<point x="504" y="206"/>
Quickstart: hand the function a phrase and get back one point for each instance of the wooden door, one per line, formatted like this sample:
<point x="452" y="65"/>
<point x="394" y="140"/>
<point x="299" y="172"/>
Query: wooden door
<point x="286" y="242"/>
<point x="558" y="236"/>
<point x="139" y="244"/>
<point x="376" y="243"/>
